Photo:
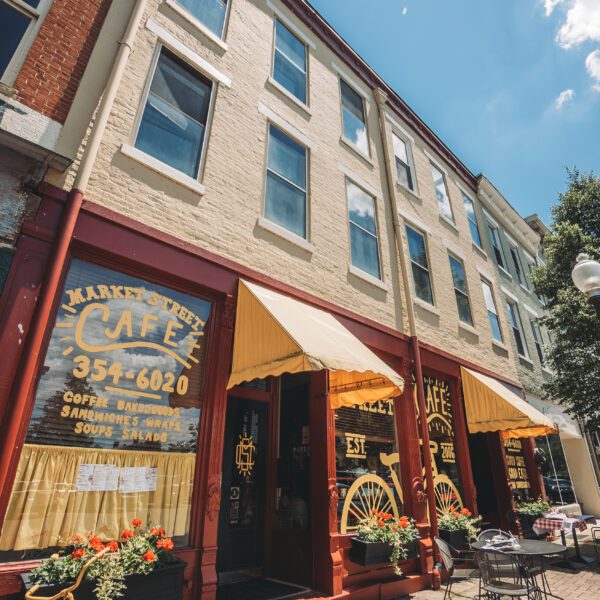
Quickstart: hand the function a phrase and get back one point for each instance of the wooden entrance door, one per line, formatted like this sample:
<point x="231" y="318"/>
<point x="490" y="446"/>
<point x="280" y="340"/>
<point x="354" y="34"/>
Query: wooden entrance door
<point x="242" y="516"/>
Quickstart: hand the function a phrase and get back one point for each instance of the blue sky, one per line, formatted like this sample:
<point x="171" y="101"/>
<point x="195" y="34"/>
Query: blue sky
<point x="487" y="77"/>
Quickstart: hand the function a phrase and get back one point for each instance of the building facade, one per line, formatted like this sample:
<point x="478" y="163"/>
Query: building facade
<point x="230" y="198"/>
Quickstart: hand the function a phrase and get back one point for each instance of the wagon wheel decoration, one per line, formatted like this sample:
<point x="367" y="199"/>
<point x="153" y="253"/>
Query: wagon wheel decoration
<point x="367" y="493"/>
<point x="447" y="496"/>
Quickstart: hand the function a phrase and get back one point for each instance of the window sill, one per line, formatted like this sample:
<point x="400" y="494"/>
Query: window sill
<point x="449" y="222"/>
<point x="426" y="306"/>
<point x="277" y="86"/>
<point x="526" y="360"/>
<point x="468" y="328"/>
<point x="414" y="194"/>
<point x="283" y="233"/>
<point x="505" y="272"/>
<point x="368" y="278"/>
<point x="163" y="169"/>
<point x="357" y="150"/>
<point x="548" y="371"/>
<point x="196" y="24"/>
<point x="500" y="345"/>
<point x="526" y="289"/>
<point x="480" y="250"/>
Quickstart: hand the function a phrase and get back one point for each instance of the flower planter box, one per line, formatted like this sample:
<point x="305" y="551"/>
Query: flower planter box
<point x="165" y="582"/>
<point x="457" y="538"/>
<point x="375" y="553"/>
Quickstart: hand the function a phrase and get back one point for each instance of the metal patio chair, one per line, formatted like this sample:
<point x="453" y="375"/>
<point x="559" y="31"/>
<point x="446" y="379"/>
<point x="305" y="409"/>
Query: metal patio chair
<point x="503" y="575"/>
<point x="450" y="559"/>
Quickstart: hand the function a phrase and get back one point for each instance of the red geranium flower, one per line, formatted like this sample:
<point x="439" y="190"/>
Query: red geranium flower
<point x="149" y="556"/>
<point x="127" y="533"/>
<point x="466" y="512"/>
<point x="136" y="522"/>
<point x="78" y="553"/>
<point x="160" y="532"/>
<point x="114" y="546"/>
<point x="165" y="544"/>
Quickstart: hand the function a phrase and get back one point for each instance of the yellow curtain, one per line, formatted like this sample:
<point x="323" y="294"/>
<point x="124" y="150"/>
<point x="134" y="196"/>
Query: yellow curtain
<point x="46" y="509"/>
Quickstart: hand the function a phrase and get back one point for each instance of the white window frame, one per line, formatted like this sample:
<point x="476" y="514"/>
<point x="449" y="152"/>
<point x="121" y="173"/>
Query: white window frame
<point x="37" y="16"/>
<point x="461" y="260"/>
<point x="411" y="160"/>
<point x="494" y="226"/>
<point x="518" y="268"/>
<point x="302" y="142"/>
<point x="206" y="70"/>
<point x="371" y="192"/>
<point x="342" y="77"/>
<point x="476" y="223"/>
<point x="487" y="281"/>
<point x="416" y="298"/>
<point x="510" y="302"/>
<point x="302" y="39"/>
<point x="451" y="219"/>
<point x="536" y="330"/>
<point x="200" y="26"/>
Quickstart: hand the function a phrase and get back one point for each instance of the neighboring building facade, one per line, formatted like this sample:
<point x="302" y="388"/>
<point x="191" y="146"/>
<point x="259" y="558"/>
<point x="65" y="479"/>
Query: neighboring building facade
<point x="251" y="167"/>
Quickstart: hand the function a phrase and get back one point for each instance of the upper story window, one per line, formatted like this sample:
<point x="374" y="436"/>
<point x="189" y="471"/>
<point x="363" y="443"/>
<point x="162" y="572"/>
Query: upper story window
<point x="286" y="187"/>
<point x="173" y="124"/>
<point x="461" y="290"/>
<point x="537" y="338"/>
<point x="490" y="304"/>
<point x="420" y="265"/>
<point x="515" y="323"/>
<point x="441" y="192"/>
<point x="472" y="218"/>
<point x="496" y="245"/>
<point x="364" y="246"/>
<point x="19" y="22"/>
<point x="210" y="12"/>
<point x="353" y="118"/>
<point x="518" y="265"/>
<point x="404" y="166"/>
<point x="289" y="62"/>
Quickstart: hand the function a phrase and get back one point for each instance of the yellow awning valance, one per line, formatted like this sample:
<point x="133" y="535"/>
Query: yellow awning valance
<point x="275" y="334"/>
<point x="490" y="406"/>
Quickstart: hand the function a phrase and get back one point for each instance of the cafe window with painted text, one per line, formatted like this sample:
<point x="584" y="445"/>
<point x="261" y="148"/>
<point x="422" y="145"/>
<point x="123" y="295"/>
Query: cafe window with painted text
<point x="113" y="434"/>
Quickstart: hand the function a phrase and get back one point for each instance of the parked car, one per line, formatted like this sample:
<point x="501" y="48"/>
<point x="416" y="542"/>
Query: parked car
<point x="557" y="488"/>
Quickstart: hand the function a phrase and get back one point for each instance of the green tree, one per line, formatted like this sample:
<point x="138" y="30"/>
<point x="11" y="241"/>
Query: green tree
<point x="574" y="355"/>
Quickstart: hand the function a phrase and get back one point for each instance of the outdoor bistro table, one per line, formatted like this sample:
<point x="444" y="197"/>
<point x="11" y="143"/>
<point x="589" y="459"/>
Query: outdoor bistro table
<point x="528" y="550"/>
<point x="572" y="524"/>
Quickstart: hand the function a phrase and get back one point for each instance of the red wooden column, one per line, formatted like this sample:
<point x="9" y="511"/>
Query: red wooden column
<point x="328" y="566"/>
<point x="461" y="442"/>
<point x="538" y="490"/>
<point x="208" y="470"/>
<point x="411" y="466"/>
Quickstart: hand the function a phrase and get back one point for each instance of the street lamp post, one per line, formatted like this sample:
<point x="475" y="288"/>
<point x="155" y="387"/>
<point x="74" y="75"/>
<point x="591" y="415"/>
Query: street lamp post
<point x="586" y="276"/>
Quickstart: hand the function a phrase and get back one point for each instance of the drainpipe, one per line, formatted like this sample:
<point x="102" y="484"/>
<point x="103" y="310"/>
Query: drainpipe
<point x="380" y="99"/>
<point x="12" y="432"/>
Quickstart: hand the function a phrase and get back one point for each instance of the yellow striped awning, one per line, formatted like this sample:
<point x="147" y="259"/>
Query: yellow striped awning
<point x="275" y="334"/>
<point x="491" y="406"/>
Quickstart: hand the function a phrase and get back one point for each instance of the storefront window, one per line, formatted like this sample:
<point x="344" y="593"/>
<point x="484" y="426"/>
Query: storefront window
<point x="367" y="462"/>
<point x="114" y="430"/>
<point x="440" y="421"/>
<point x="517" y="469"/>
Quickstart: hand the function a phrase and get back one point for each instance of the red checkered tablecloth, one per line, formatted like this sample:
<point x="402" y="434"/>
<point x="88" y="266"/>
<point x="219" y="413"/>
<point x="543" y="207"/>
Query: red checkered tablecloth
<point x="544" y="525"/>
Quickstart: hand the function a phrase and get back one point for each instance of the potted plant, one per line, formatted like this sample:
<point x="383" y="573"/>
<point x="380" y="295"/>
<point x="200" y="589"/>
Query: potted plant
<point x="383" y="538"/>
<point x="529" y="511"/>
<point x="138" y="566"/>
<point x="458" y="528"/>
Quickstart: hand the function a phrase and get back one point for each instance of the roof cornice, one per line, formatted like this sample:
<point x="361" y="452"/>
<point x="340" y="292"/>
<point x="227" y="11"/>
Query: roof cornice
<point x="320" y="27"/>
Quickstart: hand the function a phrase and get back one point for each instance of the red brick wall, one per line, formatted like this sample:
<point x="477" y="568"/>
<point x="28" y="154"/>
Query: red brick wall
<point x="57" y="59"/>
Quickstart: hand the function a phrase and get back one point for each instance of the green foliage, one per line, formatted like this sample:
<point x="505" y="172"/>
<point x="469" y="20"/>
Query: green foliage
<point x="533" y="508"/>
<point x="574" y="356"/>
<point x="137" y="552"/>
<point x="398" y="533"/>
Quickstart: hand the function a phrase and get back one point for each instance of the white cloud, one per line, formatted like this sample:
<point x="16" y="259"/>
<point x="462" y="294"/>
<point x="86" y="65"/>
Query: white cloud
<point x="405" y="10"/>
<point x="564" y="97"/>
<point x="582" y="22"/>
<point x="549" y="5"/>
<point x="592" y="64"/>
